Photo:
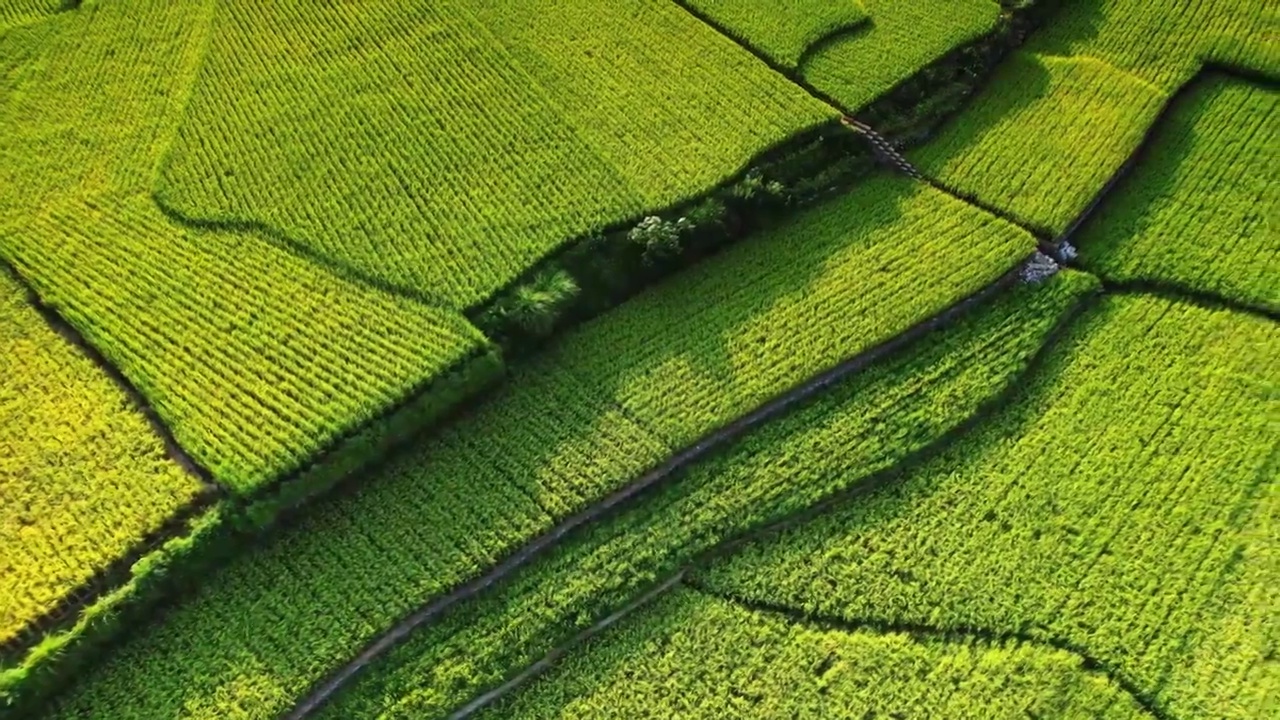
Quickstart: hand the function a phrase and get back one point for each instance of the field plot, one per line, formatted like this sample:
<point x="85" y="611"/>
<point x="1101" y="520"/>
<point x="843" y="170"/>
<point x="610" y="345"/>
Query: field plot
<point x="1067" y="110"/>
<point x="83" y="477"/>
<point x="783" y="31"/>
<point x="1123" y="506"/>
<point x="1203" y="208"/>
<point x="364" y="137"/>
<point x="868" y="423"/>
<point x="254" y="357"/>
<point x="612" y="399"/>
<point x="901" y="37"/>
<point x="695" y="656"/>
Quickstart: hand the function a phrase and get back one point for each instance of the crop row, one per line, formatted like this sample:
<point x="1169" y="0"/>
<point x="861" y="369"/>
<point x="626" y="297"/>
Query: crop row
<point x="254" y="357"/>
<point x="1199" y="209"/>
<point x="1123" y="505"/>
<point x="868" y="423"/>
<point x="83" y="477"/>
<point x="697" y="656"/>
<point x="593" y="412"/>
<point x="783" y="31"/>
<point x="445" y="147"/>
<point x="1062" y="115"/>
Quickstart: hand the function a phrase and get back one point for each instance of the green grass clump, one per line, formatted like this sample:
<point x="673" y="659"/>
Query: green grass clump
<point x="1202" y="210"/>
<point x="84" y="478"/>
<point x="1124" y="505"/>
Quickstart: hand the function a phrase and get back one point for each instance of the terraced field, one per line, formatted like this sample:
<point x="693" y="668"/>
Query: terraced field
<point x="878" y="418"/>
<point x="1120" y="508"/>
<point x="723" y="358"/>
<point x="1064" y="114"/>
<point x="1201" y="211"/>
<point x="611" y="404"/>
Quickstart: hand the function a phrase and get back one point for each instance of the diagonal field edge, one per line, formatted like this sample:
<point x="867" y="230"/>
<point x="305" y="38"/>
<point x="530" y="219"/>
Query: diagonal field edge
<point x="860" y="488"/>
<point x="1089" y="663"/>
<point x="708" y="444"/>
<point x="279" y="238"/>
<point x="1181" y="292"/>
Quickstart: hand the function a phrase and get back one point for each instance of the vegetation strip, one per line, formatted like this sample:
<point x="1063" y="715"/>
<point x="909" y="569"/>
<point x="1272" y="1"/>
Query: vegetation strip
<point x="105" y="580"/>
<point x="706" y="445"/>
<point x="1185" y="293"/>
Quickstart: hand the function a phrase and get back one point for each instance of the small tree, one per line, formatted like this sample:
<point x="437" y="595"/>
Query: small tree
<point x="659" y="238"/>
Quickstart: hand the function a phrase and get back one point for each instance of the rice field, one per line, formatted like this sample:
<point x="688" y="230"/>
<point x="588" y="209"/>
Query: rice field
<point x="638" y="358"/>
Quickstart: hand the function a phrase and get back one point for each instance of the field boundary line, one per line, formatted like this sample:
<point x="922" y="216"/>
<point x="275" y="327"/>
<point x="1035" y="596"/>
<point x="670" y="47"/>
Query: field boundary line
<point x="56" y="322"/>
<point x="1171" y="103"/>
<point x="861" y="487"/>
<point x="107" y="577"/>
<point x="1181" y="293"/>
<point x="705" y="446"/>
<point x="1089" y="663"/>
